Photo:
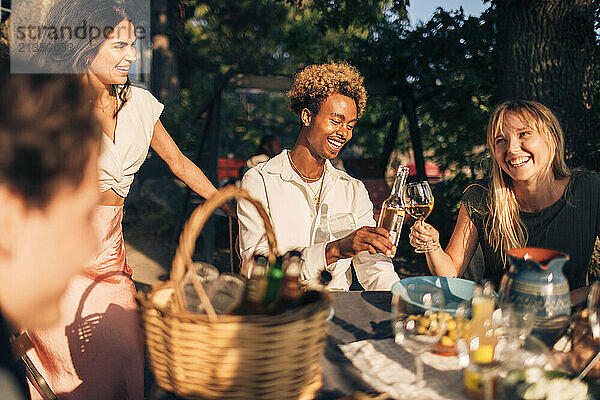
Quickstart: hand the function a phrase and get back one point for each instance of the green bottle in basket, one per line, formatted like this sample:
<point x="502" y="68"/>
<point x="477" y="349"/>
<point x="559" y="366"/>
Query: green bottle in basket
<point x="274" y="278"/>
<point x="289" y="292"/>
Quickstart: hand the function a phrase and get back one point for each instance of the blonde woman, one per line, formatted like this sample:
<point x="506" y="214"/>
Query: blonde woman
<point x="531" y="199"/>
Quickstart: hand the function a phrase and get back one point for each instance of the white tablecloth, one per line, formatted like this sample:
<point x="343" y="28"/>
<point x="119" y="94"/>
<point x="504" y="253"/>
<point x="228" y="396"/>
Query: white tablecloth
<point x="387" y="367"/>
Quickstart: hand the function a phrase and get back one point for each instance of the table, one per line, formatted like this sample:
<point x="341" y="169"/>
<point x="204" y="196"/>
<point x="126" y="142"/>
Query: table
<point x="358" y="315"/>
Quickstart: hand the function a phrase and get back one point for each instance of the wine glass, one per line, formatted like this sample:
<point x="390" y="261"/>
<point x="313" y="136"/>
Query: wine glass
<point x="418" y="203"/>
<point x="593" y="319"/>
<point x="418" y="323"/>
<point x="593" y="303"/>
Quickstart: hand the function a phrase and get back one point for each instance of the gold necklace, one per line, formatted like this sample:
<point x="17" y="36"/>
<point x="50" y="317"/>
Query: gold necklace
<point x="317" y="195"/>
<point x="302" y="176"/>
<point x="108" y="103"/>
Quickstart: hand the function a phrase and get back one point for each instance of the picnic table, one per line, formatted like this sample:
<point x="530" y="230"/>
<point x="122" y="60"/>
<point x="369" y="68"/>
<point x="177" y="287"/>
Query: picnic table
<point x="362" y="323"/>
<point x="359" y="315"/>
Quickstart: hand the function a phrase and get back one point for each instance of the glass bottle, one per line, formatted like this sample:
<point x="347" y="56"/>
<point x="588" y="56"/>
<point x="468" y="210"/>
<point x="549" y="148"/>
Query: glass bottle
<point x="480" y="383"/>
<point x="290" y="292"/>
<point x="392" y="209"/>
<point x="204" y="273"/>
<point x="274" y="278"/>
<point x="227" y="293"/>
<point x="255" y="289"/>
<point x="314" y="292"/>
<point x="482" y="310"/>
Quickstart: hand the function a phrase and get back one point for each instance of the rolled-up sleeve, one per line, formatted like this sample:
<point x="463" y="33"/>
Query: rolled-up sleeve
<point x="374" y="271"/>
<point x="313" y="257"/>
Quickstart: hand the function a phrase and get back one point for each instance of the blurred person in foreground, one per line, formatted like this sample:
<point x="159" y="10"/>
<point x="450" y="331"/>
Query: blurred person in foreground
<point x="49" y="145"/>
<point x="314" y="207"/>
<point x="532" y="199"/>
<point x="96" y="350"/>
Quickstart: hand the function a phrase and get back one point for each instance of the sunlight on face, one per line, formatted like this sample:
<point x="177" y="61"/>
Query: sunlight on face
<point x="51" y="246"/>
<point x="115" y="56"/>
<point x="331" y="128"/>
<point x="521" y="151"/>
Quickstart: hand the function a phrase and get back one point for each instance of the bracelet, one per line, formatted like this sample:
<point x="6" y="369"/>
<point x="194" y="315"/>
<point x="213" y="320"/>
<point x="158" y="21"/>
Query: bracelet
<point x="434" y="247"/>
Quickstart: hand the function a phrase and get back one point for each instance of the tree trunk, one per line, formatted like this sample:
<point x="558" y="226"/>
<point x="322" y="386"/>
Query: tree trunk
<point x="415" y="135"/>
<point x="545" y="51"/>
<point x="391" y="138"/>
<point x="164" y="81"/>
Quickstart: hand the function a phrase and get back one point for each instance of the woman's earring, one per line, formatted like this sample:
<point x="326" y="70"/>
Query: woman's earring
<point x="87" y="61"/>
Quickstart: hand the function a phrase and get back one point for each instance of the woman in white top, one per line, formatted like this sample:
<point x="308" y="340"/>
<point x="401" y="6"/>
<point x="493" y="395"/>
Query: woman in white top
<point x="97" y="352"/>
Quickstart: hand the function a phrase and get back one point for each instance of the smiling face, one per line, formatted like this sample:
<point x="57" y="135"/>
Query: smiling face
<point x="331" y="127"/>
<point x="115" y="56"/>
<point x="521" y="151"/>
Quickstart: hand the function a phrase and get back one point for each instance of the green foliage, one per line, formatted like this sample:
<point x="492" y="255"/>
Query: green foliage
<point x="456" y="53"/>
<point x="272" y="37"/>
<point x="242" y="34"/>
<point x="594" y="267"/>
<point x="4" y="51"/>
<point x="177" y="121"/>
<point x="251" y="115"/>
<point x="448" y="63"/>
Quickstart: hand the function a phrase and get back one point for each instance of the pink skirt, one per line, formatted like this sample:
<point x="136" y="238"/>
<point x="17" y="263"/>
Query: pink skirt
<point x="96" y="351"/>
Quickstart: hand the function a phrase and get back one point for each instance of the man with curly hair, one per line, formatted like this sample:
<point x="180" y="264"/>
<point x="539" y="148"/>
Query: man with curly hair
<point x="314" y="207"/>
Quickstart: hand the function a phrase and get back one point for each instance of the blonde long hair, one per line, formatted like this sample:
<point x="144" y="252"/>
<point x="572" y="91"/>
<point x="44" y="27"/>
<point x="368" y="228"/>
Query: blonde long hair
<point x="505" y="228"/>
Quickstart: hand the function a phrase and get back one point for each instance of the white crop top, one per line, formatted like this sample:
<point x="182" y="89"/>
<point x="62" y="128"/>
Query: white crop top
<point x="119" y="161"/>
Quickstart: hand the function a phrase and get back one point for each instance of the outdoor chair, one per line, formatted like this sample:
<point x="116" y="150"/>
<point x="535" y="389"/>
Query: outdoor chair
<point x="20" y="345"/>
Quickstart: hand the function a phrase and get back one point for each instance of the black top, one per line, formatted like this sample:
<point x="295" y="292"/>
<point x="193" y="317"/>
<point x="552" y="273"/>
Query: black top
<point x="7" y="361"/>
<point x="571" y="225"/>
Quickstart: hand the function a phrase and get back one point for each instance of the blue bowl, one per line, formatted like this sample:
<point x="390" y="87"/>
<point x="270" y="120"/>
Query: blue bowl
<point x="455" y="290"/>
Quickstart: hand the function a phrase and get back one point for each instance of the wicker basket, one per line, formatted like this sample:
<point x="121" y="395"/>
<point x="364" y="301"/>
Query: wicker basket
<point x="233" y="357"/>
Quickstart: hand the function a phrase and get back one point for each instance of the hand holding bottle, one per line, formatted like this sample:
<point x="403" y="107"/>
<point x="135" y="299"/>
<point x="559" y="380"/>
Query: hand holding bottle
<point x="392" y="209"/>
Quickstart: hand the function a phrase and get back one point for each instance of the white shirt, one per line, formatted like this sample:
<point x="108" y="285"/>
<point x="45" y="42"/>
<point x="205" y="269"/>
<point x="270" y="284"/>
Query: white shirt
<point x="121" y="159"/>
<point x="297" y="224"/>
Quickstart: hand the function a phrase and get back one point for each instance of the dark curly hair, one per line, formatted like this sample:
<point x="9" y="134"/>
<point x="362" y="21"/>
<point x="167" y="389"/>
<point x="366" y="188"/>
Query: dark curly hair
<point x="47" y="134"/>
<point x="315" y="83"/>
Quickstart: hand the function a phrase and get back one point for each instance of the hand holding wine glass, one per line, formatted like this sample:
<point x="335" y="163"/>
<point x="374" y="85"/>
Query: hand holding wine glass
<point x="418" y="203"/>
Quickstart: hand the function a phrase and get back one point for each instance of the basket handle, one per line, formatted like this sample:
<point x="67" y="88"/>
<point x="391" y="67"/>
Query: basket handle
<point x="182" y="260"/>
